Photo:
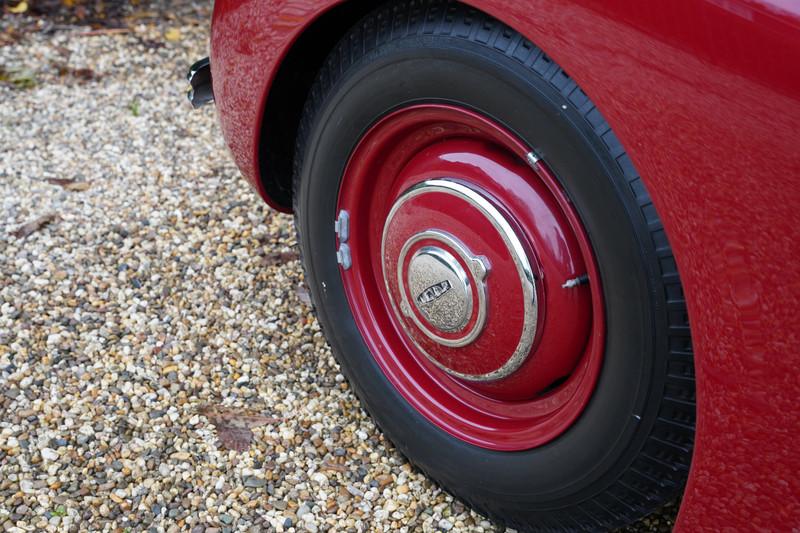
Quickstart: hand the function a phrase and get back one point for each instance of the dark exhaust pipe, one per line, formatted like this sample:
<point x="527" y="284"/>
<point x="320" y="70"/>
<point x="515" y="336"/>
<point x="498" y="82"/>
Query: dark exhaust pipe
<point x="199" y="77"/>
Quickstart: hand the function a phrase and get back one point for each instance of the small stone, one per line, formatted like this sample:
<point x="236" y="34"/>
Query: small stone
<point x="354" y="491"/>
<point x="48" y="454"/>
<point x="226" y="519"/>
<point x="254" y="482"/>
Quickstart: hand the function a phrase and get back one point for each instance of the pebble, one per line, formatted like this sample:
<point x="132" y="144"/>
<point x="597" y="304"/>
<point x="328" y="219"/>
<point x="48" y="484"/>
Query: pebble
<point x="48" y="454"/>
<point x="254" y="482"/>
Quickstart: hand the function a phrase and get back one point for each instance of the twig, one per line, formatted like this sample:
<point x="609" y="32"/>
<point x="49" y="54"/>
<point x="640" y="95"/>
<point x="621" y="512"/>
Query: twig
<point x="103" y="31"/>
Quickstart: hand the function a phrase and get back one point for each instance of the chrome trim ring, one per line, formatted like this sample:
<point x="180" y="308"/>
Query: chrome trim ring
<point x="516" y="250"/>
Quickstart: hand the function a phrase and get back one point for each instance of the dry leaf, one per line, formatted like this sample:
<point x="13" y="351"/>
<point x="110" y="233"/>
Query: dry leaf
<point x="22" y="7"/>
<point x="10" y="36"/>
<point x="104" y="31"/>
<point x="173" y="35"/>
<point x="234" y="425"/>
<point x="20" y="78"/>
<point x="333" y="466"/>
<point x="277" y="258"/>
<point x="78" y="186"/>
<point x="70" y="184"/>
<point x="34" y="225"/>
<point x="84" y="73"/>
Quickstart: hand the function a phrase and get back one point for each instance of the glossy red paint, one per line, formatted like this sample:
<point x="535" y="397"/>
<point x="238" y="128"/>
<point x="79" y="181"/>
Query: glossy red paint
<point x="430" y="142"/>
<point x="705" y="97"/>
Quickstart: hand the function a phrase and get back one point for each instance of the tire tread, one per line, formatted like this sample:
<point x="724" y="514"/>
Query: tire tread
<point x="661" y="465"/>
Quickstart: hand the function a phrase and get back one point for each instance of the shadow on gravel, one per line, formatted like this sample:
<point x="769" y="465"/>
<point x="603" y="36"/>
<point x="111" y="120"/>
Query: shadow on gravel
<point x="97" y="16"/>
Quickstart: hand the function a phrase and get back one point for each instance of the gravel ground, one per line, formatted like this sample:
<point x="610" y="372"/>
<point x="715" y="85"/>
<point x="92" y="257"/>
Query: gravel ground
<point x="161" y="283"/>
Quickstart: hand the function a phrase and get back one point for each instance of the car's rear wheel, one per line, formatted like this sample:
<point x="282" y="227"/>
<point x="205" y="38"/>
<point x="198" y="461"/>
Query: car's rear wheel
<point x="491" y="273"/>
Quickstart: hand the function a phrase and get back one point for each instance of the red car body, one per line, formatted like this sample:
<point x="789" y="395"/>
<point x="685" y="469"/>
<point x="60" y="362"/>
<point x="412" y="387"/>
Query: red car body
<point x="705" y="96"/>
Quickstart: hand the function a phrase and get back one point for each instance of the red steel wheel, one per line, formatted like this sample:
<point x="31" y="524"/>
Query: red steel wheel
<point x="470" y="276"/>
<point x="491" y="273"/>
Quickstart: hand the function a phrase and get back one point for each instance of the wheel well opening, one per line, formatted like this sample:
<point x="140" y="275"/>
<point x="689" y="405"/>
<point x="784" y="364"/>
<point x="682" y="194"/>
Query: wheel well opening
<point x="289" y="91"/>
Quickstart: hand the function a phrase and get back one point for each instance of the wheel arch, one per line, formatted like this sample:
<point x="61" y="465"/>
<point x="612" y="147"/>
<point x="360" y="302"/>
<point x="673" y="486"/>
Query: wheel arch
<point x="294" y="74"/>
<point x="288" y="91"/>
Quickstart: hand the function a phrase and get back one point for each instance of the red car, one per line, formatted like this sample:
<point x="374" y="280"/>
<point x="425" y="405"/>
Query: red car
<point x="553" y="243"/>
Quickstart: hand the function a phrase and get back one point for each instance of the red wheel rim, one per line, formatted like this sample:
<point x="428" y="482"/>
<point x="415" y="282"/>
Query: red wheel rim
<point x="470" y="277"/>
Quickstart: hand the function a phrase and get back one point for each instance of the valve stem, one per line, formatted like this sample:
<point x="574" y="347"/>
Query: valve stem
<point x="575" y="282"/>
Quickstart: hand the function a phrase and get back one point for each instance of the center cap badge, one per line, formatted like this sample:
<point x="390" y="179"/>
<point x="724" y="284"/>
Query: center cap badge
<point x="442" y="289"/>
<point x="433" y="292"/>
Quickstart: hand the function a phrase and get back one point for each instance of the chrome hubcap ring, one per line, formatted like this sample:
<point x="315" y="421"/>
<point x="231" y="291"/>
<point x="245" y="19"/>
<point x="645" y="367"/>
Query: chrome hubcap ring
<point x="436" y="291"/>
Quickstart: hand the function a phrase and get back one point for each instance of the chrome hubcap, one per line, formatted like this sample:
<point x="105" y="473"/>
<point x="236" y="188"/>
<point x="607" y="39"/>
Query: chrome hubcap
<point x="442" y="287"/>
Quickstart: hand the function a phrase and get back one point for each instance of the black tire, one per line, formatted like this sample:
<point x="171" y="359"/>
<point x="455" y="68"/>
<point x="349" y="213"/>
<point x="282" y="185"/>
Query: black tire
<point x="630" y="450"/>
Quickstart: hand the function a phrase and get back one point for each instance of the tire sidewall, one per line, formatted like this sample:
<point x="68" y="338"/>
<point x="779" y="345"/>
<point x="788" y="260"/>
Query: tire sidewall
<point x="590" y="455"/>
